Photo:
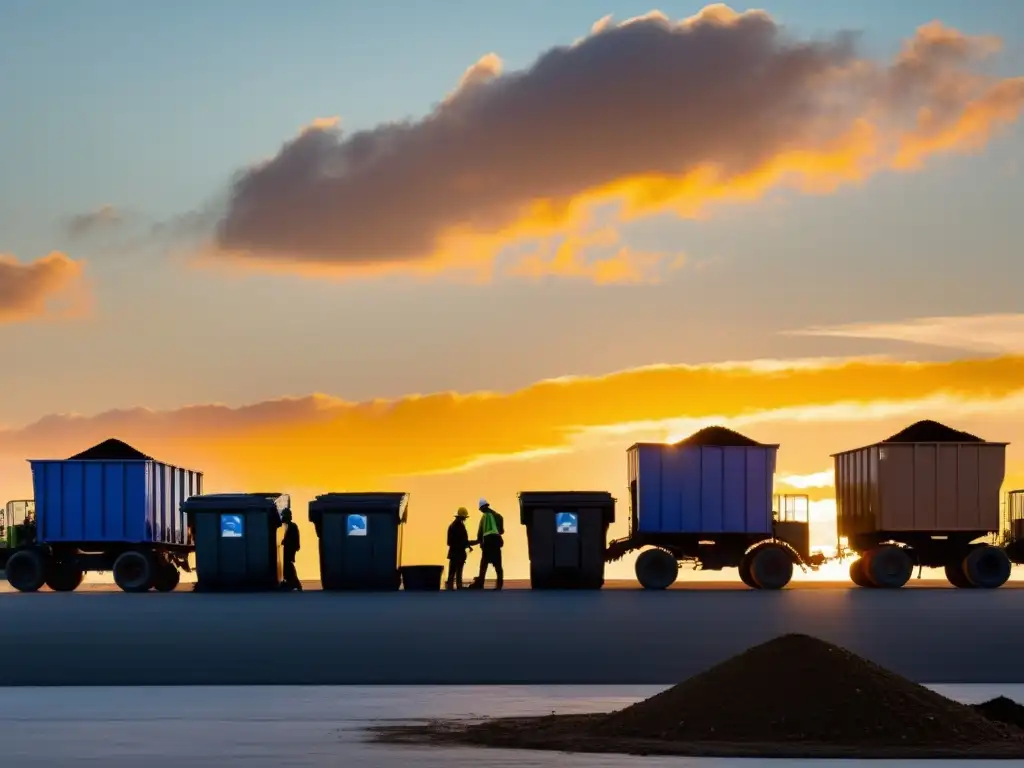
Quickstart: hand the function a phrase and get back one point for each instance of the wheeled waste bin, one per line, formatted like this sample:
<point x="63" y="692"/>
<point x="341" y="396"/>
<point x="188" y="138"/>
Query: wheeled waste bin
<point x="237" y="539"/>
<point x="567" y="533"/>
<point x="360" y="539"/>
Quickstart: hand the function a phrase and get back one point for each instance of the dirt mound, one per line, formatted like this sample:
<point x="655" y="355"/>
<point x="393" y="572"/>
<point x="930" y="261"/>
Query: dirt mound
<point x="794" y="696"/>
<point x="798" y="688"/>
<point x="1002" y="710"/>
<point x="929" y="431"/>
<point x="111" y="450"/>
<point x="717" y="436"/>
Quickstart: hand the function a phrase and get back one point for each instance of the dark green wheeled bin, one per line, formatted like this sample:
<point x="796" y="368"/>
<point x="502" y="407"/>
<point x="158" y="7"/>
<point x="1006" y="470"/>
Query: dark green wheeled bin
<point x="567" y="532"/>
<point x="237" y="539"/>
<point x="360" y="539"/>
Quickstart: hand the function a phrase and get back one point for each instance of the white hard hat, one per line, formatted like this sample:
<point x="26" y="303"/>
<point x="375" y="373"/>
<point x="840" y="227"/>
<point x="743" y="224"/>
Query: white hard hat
<point x="482" y="504"/>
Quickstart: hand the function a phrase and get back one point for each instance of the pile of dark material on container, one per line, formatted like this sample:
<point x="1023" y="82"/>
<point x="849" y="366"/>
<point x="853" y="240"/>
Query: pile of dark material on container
<point x="717" y="436"/>
<point x="929" y="431"/>
<point x="794" y="697"/>
<point x="111" y="450"/>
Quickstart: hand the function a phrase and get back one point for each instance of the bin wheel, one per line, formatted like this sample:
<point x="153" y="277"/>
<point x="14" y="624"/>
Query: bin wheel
<point x="987" y="567"/>
<point x="889" y="567"/>
<point x="858" y="575"/>
<point x="771" y="567"/>
<point x="955" y="575"/>
<point x="744" y="569"/>
<point x="134" y="571"/>
<point x="656" y="569"/>
<point x="65" y="577"/>
<point x="167" y="578"/>
<point x="26" y="570"/>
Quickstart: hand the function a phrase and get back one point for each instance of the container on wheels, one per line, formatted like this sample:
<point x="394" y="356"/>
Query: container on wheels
<point x="923" y="498"/>
<point x="237" y="540"/>
<point x="708" y="500"/>
<point x="567" y="532"/>
<point x="1013" y="526"/>
<point x="110" y="508"/>
<point x="360" y="539"/>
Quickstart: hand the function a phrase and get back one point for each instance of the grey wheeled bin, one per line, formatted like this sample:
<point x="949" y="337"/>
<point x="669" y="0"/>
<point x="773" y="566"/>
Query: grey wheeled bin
<point x="237" y="539"/>
<point x="567" y="533"/>
<point x="360" y="539"/>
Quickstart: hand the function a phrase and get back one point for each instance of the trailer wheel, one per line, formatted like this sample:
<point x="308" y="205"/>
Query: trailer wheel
<point x="167" y="578"/>
<point x="987" y="567"/>
<point x="771" y="567"/>
<point x="26" y="570"/>
<point x="656" y="569"/>
<point x="858" y="575"/>
<point x="65" y="577"/>
<point x="744" y="569"/>
<point x="955" y="575"/>
<point x="134" y="571"/>
<point x="889" y="567"/>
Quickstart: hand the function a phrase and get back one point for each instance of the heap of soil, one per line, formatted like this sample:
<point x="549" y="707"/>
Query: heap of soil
<point x="717" y="436"/>
<point x="929" y="431"/>
<point x="1002" y="710"/>
<point x="794" y="696"/>
<point x="111" y="450"/>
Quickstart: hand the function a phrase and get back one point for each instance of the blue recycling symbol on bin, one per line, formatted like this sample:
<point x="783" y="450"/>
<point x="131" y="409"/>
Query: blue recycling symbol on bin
<point x="567" y="522"/>
<point x="355" y="525"/>
<point x="231" y="527"/>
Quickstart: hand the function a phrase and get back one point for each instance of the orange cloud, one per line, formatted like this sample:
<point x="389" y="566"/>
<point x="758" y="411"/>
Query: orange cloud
<point x="319" y="441"/>
<point x="650" y="114"/>
<point x="31" y="291"/>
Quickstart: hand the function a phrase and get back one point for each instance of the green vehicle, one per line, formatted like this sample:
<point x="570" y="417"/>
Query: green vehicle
<point x="17" y="527"/>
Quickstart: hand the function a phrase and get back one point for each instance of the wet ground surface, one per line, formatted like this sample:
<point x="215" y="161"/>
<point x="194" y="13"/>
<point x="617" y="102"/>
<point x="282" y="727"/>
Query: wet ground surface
<point x="511" y="637"/>
<point x="317" y="727"/>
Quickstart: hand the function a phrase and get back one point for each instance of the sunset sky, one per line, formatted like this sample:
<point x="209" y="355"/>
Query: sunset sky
<point x="464" y="250"/>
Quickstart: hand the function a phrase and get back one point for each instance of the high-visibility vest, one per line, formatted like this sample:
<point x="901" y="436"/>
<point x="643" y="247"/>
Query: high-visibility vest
<point x="489" y="525"/>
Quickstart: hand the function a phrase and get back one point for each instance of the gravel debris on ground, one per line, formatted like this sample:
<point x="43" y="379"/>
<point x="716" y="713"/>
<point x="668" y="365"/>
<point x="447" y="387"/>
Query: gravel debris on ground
<point x="794" y="696"/>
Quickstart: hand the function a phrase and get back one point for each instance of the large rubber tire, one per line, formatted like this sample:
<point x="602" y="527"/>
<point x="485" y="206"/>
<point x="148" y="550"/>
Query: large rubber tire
<point x="771" y="567"/>
<point x="656" y="569"/>
<point x="857" y="574"/>
<point x="167" y="578"/>
<point x="745" y="576"/>
<point x="64" y="577"/>
<point x="134" y="571"/>
<point x="987" y="567"/>
<point x="26" y="570"/>
<point x="889" y="567"/>
<point x="955" y="575"/>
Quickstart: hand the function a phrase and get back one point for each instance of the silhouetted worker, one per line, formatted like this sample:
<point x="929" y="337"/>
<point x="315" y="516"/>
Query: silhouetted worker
<point x="458" y="543"/>
<point x="489" y="537"/>
<point x="290" y="545"/>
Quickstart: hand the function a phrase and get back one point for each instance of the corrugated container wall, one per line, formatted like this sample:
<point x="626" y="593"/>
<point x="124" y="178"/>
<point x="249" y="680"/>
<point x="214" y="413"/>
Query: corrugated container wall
<point x="919" y="487"/>
<point x="701" y="489"/>
<point x="137" y="502"/>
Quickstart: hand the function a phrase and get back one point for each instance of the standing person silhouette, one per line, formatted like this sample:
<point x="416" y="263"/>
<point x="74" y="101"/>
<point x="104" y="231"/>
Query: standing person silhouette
<point x="458" y="543"/>
<point x="290" y="545"/>
<point x="489" y="537"/>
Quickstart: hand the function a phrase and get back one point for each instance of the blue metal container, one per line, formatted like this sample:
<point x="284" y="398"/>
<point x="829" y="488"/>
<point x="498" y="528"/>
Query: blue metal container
<point x="111" y="501"/>
<point x="702" y="489"/>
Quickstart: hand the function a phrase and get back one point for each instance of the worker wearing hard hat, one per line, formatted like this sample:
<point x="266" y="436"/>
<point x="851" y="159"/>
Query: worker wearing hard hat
<point x="458" y="543"/>
<point x="489" y="537"/>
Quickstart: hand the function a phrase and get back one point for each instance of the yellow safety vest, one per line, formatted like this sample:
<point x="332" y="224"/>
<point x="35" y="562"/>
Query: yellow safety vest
<point x="489" y="525"/>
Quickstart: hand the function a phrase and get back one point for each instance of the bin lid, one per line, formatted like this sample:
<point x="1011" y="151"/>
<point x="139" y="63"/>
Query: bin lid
<point x="567" y="498"/>
<point x="393" y="502"/>
<point x="231" y="501"/>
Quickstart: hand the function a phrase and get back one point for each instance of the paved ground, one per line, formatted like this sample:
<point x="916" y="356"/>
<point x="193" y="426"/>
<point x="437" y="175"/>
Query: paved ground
<point x="517" y="636"/>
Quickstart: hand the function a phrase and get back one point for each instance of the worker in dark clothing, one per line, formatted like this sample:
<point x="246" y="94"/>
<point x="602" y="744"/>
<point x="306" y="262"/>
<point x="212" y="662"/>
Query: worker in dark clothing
<point x="290" y="545"/>
<point x="489" y="537"/>
<point x="458" y="543"/>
